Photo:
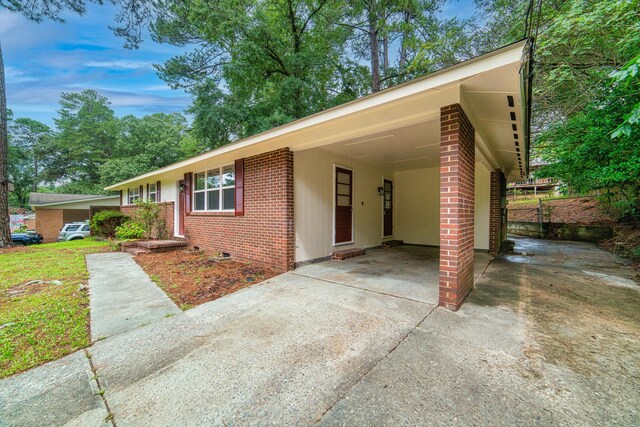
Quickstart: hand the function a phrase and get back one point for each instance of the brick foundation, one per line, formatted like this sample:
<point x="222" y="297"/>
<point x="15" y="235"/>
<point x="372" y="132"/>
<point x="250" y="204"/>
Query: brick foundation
<point x="497" y="231"/>
<point x="457" y="187"/>
<point x="166" y="210"/>
<point x="264" y="233"/>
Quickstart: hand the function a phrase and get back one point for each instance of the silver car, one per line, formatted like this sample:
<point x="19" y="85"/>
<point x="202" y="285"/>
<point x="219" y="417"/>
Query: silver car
<point x="74" y="231"/>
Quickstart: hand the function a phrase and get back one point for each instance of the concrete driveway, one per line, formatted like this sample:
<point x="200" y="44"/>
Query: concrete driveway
<point x="545" y="339"/>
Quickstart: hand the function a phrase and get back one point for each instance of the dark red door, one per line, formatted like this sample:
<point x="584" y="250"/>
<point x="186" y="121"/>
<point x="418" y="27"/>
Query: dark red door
<point x="388" y="209"/>
<point x="181" y="206"/>
<point x="344" y="206"/>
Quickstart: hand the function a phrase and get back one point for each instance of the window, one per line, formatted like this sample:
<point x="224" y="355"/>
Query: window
<point x="73" y="227"/>
<point x="85" y="228"/>
<point x="133" y="195"/>
<point x="153" y="192"/>
<point x="214" y="190"/>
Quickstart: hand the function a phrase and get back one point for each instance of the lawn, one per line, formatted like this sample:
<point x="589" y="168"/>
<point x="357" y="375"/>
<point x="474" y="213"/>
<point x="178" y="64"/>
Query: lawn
<point x="46" y="320"/>
<point x="191" y="278"/>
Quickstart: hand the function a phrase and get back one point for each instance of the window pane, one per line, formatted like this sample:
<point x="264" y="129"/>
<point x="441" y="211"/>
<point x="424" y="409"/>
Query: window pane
<point x="344" y="178"/>
<point x="213" y="200"/>
<point x="229" y="197"/>
<point x="387" y="205"/>
<point x="85" y="228"/>
<point x="213" y="179"/>
<point x="344" y="201"/>
<point x="344" y="189"/>
<point x="387" y="196"/>
<point x="72" y="227"/>
<point x="228" y="176"/>
<point x="200" y="181"/>
<point x="199" y="201"/>
<point x="387" y="186"/>
<point x="152" y="197"/>
<point x="152" y="188"/>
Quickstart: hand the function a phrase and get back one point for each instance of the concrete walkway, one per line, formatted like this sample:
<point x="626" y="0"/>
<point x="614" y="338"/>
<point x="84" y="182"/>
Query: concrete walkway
<point x="537" y="343"/>
<point x="122" y="295"/>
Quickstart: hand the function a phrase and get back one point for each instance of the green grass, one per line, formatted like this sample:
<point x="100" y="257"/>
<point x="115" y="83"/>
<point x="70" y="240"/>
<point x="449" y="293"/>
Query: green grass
<point x="43" y="322"/>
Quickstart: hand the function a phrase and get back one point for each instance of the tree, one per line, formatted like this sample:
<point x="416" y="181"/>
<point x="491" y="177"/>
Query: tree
<point x="257" y="64"/>
<point x="32" y="138"/>
<point x="133" y="15"/>
<point x="86" y="139"/>
<point x="147" y="143"/>
<point x="5" y="226"/>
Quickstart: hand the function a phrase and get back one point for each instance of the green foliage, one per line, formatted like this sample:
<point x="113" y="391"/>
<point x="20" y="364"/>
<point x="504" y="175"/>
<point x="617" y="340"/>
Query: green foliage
<point x="130" y="230"/>
<point x="629" y="78"/>
<point x="105" y="223"/>
<point x="149" y="216"/>
<point x="583" y="155"/>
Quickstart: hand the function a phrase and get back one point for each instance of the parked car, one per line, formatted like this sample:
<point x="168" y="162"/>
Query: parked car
<point x="23" y="239"/>
<point x="73" y="231"/>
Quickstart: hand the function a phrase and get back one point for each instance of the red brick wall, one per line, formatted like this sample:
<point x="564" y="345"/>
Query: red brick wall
<point x="457" y="188"/>
<point x="496" y="212"/>
<point x="166" y="211"/>
<point x="48" y="223"/>
<point x="265" y="232"/>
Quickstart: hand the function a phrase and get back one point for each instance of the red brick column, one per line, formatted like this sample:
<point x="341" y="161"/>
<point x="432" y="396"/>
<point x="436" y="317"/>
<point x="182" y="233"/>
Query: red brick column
<point x="498" y="191"/>
<point x="457" y="188"/>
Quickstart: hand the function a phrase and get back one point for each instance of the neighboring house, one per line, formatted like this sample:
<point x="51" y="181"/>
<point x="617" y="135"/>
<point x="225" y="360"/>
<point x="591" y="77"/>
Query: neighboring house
<point x="53" y="210"/>
<point x="16" y="222"/>
<point x="30" y="221"/>
<point x="425" y="162"/>
<point x="533" y="186"/>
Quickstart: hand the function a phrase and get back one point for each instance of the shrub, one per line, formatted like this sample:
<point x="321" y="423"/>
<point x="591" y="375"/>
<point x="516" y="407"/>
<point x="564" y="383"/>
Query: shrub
<point x="104" y="223"/>
<point x="148" y="215"/>
<point x="130" y="230"/>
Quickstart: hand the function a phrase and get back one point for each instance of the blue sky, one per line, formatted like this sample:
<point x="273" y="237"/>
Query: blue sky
<point x="43" y="60"/>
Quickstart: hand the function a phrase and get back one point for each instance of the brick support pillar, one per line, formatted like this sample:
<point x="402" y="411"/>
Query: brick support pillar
<point x="457" y="198"/>
<point x="496" y="215"/>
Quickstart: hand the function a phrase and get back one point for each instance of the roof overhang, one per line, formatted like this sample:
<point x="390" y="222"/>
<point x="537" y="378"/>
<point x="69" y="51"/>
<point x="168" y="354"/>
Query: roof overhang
<point x="68" y="202"/>
<point x="481" y="85"/>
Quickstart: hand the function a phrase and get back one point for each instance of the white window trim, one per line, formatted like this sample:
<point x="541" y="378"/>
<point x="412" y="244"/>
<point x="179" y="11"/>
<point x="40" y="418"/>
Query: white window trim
<point x="205" y="190"/>
<point x="129" y="195"/>
<point x="155" y="192"/>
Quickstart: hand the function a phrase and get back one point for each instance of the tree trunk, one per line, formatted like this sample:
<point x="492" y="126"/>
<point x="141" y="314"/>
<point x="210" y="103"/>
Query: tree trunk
<point x="385" y="62"/>
<point x="5" y="230"/>
<point x="403" y="46"/>
<point x="374" y="47"/>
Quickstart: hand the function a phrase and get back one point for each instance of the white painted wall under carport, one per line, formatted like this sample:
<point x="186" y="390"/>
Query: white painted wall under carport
<point x="416" y="204"/>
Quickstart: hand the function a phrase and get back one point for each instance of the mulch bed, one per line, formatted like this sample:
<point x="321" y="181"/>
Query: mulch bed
<point x="191" y="278"/>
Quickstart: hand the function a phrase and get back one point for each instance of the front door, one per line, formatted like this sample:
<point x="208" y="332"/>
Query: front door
<point x="388" y="209"/>
<point x="182" y="199"/>
<point x="344" y="206"/>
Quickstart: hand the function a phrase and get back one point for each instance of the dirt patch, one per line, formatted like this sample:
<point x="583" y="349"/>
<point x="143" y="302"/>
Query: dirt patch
<point x="192" y="278"/>
<point x="580" y="210"/>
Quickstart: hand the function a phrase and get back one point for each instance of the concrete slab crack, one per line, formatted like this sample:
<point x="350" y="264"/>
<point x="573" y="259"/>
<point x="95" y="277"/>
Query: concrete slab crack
<point x="101" y="390"/>
<point x="343" y="395"/>
<point x="360" y="288"/>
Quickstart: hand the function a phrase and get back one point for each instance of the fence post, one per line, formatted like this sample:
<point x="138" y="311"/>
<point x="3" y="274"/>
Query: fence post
<point x="540" y="217"/>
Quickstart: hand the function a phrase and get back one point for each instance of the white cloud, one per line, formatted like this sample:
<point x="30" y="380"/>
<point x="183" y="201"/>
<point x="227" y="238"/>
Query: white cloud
<point x="15" y="75"/>
<point x="121" y="64"/>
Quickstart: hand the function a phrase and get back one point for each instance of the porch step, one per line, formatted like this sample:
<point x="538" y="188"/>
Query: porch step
<point x="137" y="251"/>
<point x="392" y="243"/>
<point x="347" y="253"/>
<point x="153" y="246"/>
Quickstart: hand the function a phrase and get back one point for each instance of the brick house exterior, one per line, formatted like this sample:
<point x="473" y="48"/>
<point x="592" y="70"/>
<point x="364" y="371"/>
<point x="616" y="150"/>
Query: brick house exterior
<point x="425" y="162"/>
<point x="166" y="212"/>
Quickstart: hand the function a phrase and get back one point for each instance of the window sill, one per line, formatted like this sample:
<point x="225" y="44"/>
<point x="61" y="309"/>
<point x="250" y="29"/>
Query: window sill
<point x="211" y="213"/>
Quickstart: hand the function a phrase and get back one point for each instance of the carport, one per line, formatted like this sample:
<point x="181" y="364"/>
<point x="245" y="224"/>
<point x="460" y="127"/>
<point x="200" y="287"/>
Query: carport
<point x="425" y="163"/>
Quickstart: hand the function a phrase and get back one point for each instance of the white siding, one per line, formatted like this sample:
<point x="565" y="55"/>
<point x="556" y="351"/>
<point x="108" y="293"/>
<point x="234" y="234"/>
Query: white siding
<point x="417" y="209"/>
<point x="482" y="205"/>
<point x="313" y="201"/>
